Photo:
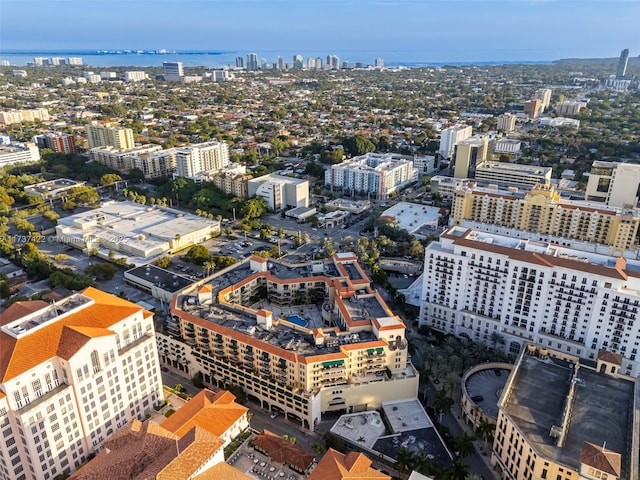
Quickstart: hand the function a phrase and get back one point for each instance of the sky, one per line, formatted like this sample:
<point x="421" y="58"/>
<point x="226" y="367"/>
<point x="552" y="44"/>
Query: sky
<point x="452" y="30"/>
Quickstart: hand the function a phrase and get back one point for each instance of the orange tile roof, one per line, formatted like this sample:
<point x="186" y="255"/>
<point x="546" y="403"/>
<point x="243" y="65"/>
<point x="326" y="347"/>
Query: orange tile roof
<point x="214" y="412"/>
<point x="610" y="357"/>
<point x="19" y="355"/>
<point x="201" y="446"/>
<point x="222" y="471"/>
<point x="337" y="466"/>
<point x="73" y="339"/>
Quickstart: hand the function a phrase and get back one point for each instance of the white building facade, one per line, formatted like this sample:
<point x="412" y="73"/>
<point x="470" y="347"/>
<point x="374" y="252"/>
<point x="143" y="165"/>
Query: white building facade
<point x="72" y="373"/>
<point x="449" y="138"/>
<point x="195" y="160"/>
<point x="479" y="284"/>
<point x="374" y="173"/>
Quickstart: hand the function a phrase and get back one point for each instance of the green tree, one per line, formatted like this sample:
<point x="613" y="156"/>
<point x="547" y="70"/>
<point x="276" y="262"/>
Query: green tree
<point x="254" y="207"/>
<point x="163" y="262"/>
<point x="101" y="271"/>
<point x="109" y="179"/>
<point x="464" y="445"/>
<point x="198" y="254"/>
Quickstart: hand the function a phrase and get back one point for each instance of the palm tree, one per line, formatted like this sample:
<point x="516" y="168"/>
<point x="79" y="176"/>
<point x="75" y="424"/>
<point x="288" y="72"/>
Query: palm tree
<point x="486" y="429"/>
<point x="405" y="460"/>
<point x="208" y="267"/>
<point x="496" y="339"/>
<point x="464" y="445"/>
<point x="458" y="470"/>
<point x="442" y="403"/>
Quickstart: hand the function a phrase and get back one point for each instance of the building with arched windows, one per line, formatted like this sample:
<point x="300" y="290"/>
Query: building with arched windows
<point x="71" y="374"/>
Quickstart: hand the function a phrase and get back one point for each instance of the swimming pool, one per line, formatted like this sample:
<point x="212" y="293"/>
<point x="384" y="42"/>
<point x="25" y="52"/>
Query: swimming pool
<point x="297" y="320"/>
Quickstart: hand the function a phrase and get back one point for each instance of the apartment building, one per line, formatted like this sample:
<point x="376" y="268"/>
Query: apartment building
<point x="449" y="138"/>
<point x="569" y="107"/>
<point x="135" y="76"/>
<point x="533" y="108"/>
<point x="18" y="116"/>
<point x="561" y="417"/>
<point x="477" y="284"/>
<point x="543" y="213"/>
<point x="121" y="159"/>
<point x="196" y="160"/>
<point x="512" y="175"/>
<point x="62" y="368"/>
<point x="99" y="135"/>
<point x="280" y="192"/>
<point x="506" y="122"/>
<point x="58" y="142"/>
<point x="173" y="71"/>
<point x="301" y="340"/>
<point x="614" y="183"/>
<point x="232" y="184"/>
<point x="544" y="96"/>
<point x="15" y="153"/>
<point x="379" y="174"/>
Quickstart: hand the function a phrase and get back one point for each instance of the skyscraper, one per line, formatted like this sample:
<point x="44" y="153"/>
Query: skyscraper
<point x="622" y="63"/>
<point x="298" y="62"/>
<point x="172" y="71"/>
<point x="280" y="63"/>
<point x="379" y="62"/>
<point x="252" y="61"/>
<point x="104" y="135"/>
<point x="239" y="62"/>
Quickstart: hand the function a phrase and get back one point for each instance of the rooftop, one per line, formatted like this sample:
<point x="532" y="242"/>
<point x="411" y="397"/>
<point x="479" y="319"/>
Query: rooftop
<point x="337" y="466"/>
<point x="160" y="277"/>
<point x="413" y="216"/>
<point x="599" y="413"/>
<point x="52" y="185"/>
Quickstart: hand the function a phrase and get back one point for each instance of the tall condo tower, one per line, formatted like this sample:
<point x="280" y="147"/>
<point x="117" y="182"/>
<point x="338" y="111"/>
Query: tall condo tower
<point x="622" y="63"/>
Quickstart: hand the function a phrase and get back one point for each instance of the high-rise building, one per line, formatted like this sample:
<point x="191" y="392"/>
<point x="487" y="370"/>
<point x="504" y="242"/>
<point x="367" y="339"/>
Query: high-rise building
<point x="311" y="63"/>
<point x="506" y="122"/>
<point x="16" y="153"/>
<point x="541" y="214"/>
<point x="476" y="284"/>
<point x="58" y="142"/>
<point x="512" y="175"/>
<point x="449" y="138"/>
<point x="298" y="62"/>
<point x="318" y="63"/>
<point x="533" y="108"/>
<point x="544" y="95"/>
<point x="195" y="160"/>
<point x="470" y="153"/>
<point x="172" y="71"/>
<point x="333" y="62"/>
<point x="104" y="135"/>
<point x="562" y="416"/>
<point x="74" y="61"/>
<point x="281" y="63"/>
<point x="135" y="76"/>
<point x="622" y="63"/>
<point x="614" y="183"/>
<point x="62" y="371"/>
<point x="239" y="62"/>
<point x="252" y="61"/>
<point x="379" y="62"/>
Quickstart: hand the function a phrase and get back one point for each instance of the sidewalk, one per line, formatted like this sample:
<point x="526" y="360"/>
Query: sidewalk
<point x="479" y="461"/>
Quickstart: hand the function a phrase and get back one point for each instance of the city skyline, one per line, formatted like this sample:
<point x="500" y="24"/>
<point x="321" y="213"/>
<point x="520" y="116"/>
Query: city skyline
<point x="446" y="31"/>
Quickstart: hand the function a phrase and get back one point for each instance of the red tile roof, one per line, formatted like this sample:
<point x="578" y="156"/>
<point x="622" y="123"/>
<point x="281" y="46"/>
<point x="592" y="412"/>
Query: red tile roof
<point x="601" y="459"/>
<point x="223" y="471"/>
<point x="21" y="309"/>
<point x="283" y="451"/>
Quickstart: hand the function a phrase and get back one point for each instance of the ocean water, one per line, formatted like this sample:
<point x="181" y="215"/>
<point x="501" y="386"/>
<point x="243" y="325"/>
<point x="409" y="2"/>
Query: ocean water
<point x="216" y="59"/>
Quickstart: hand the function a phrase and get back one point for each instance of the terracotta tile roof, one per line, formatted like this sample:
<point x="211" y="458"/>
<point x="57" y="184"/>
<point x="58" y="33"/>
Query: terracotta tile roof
<point x="601" y="459"/>
<point x="610" y="357"/>
<point x="222" y="471"/>
<point x="205" y="289"/>
<point x="201" y="447"/>
<point x="283" y="451"/>
<point x="337" y="466"/>
<point x="214" y="412"/>
<point x="21" y="309"/>
<point x="73" y="339"/>
<point x="20" y="355"/>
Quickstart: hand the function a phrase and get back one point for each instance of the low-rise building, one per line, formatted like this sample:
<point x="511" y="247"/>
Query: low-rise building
<point x="235" y="184"/>
<point x="53" y="189"/>
<point x="355" y="207"/>
<point x="185" y="445"/>
<point x="508" y="145"/>
<point x="339" y="466"/>
<point x="563" y="417"/>
<point x="139" y="233"/>
<point x="58" y="142"/>
<point x="160" y="283"/>
<point x="16" y="153"/>
<point x="419" y="220"/>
